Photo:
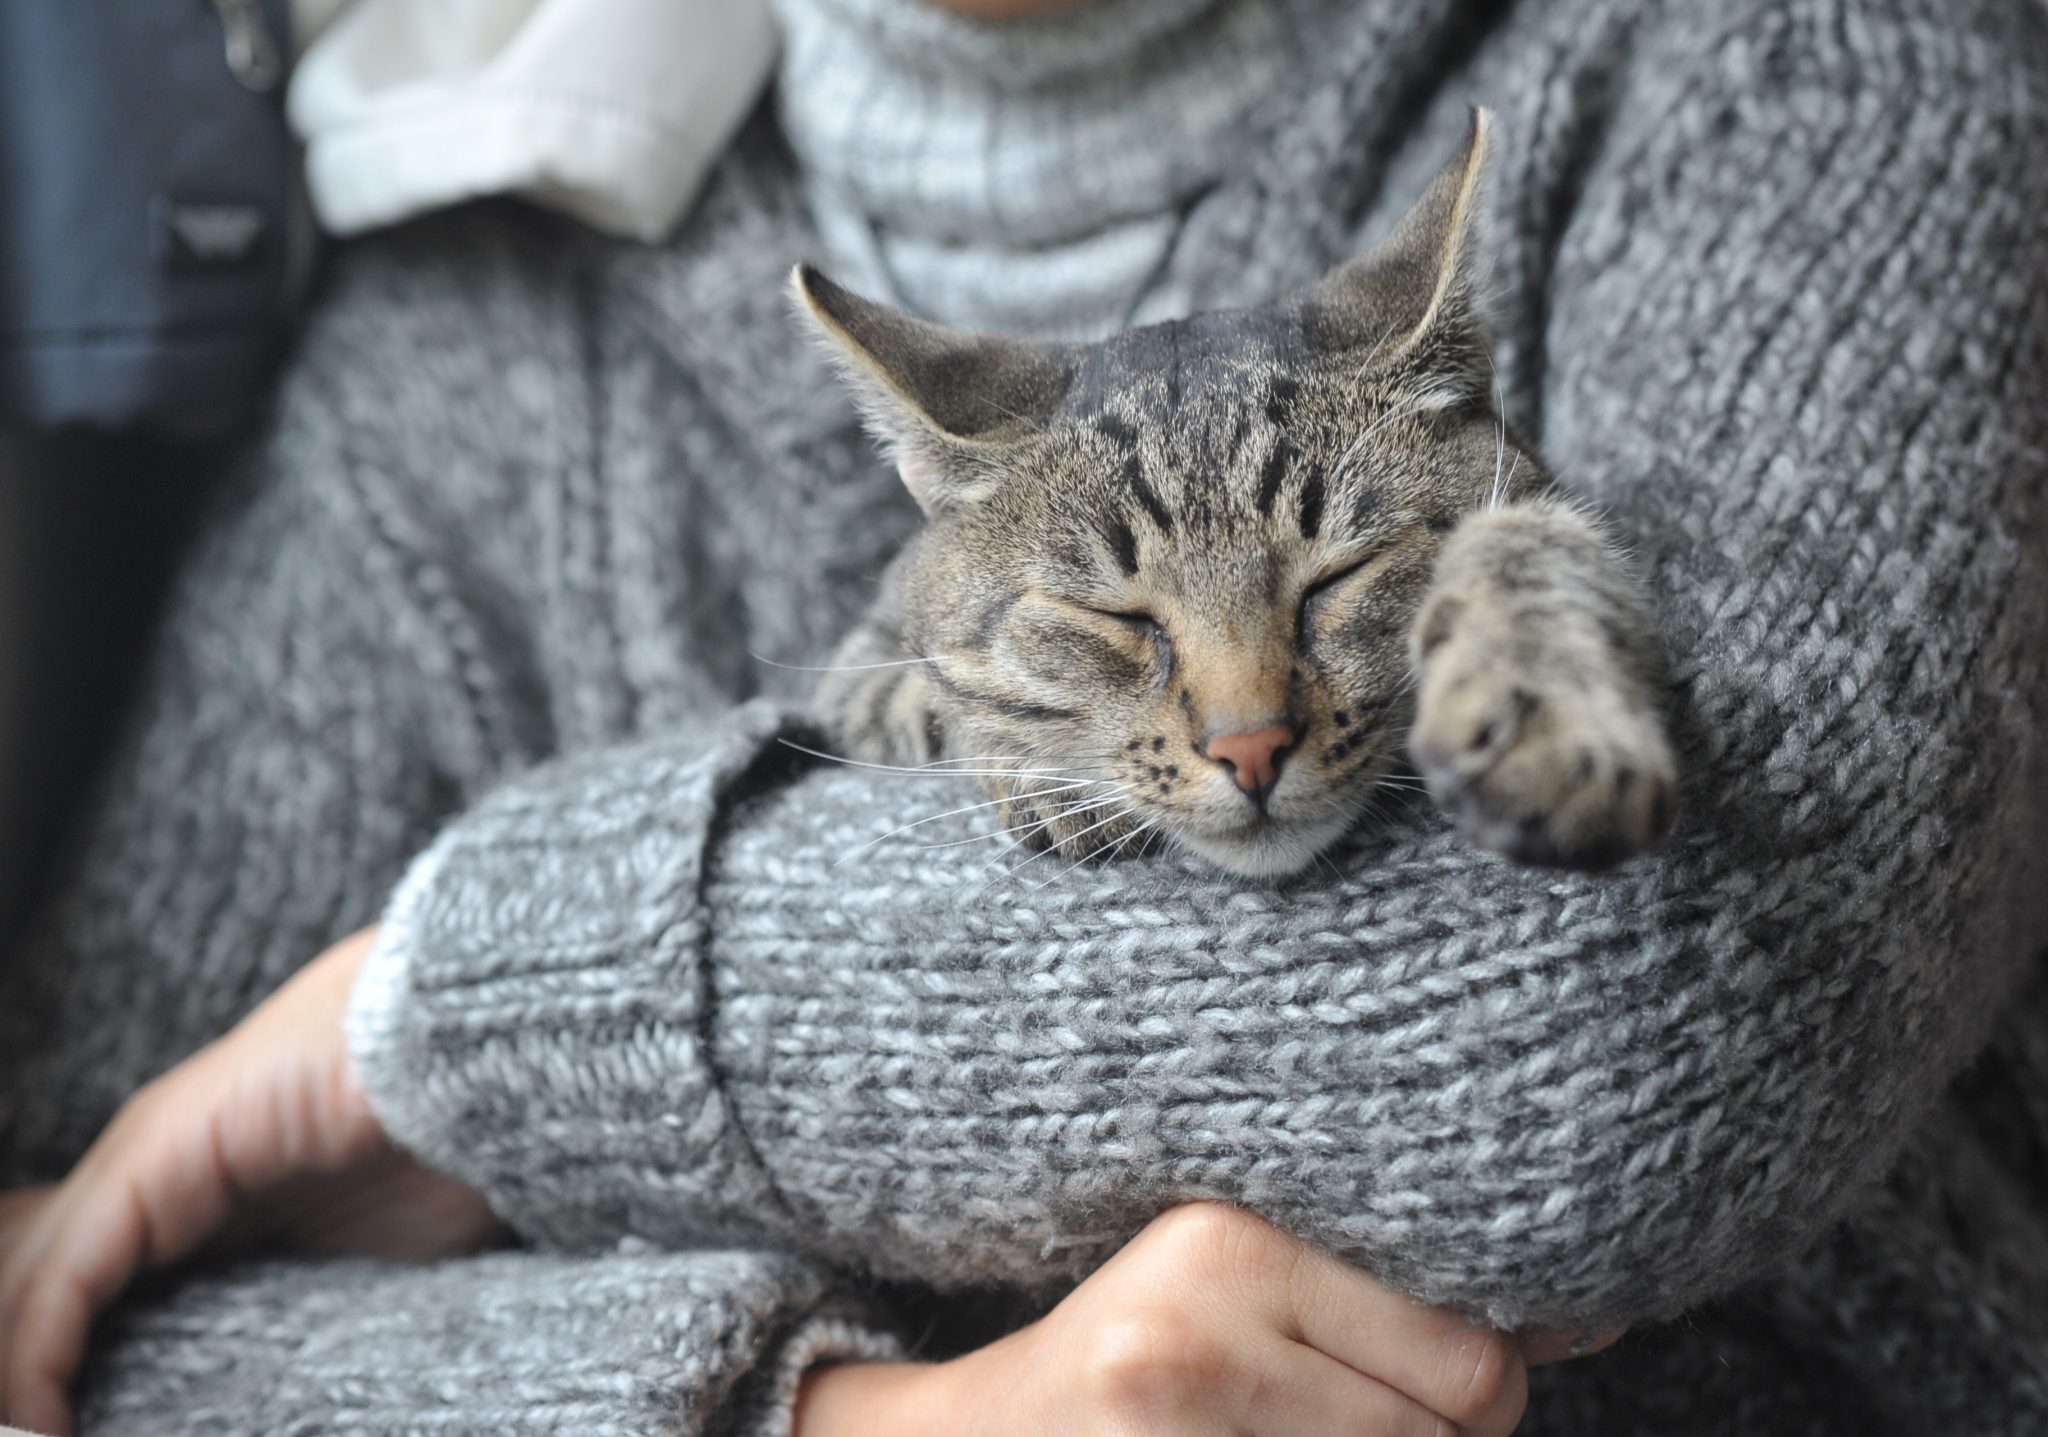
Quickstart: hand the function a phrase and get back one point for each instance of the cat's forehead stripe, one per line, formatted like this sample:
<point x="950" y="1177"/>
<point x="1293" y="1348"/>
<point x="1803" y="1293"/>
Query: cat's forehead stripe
<point x="1278" y="460"/>
<point x="1122" y="543"/>
<point x="1311" y="515"/>
<point x="1120" y="435"/>
<point x="1186" y="363"/>
<point x="1134" y="473"/>
<point x="1280" y="400"/>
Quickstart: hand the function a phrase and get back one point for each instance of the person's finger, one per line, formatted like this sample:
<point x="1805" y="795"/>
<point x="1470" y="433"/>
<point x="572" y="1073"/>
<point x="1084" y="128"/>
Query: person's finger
<point x="97" y="1231"/>
<point x="1471" y="1375"/>
<point x="49" y="1344"/>
<point x="390" y="1208"/>
<point x="31" y="1242"/>
<point x="19" y="1277"/>
<point x="1308" y="1393"/>
<point x="17" y="1206"/>
<point x="92" y="1250"/>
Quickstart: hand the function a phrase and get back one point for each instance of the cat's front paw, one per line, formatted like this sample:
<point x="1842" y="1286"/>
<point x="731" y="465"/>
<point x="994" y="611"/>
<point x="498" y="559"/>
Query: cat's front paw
<point x="1541" y="769"/>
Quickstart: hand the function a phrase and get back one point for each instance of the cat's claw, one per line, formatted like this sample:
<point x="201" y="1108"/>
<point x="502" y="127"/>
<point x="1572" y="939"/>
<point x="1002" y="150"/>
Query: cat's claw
<point x="1545" y="772"/>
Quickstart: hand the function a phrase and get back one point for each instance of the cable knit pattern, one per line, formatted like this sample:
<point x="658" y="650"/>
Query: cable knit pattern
<point x="1769" y="294"/>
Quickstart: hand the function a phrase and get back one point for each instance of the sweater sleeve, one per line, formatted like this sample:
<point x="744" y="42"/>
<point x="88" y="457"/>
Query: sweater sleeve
<point x="626" y="1341"/>
<point x="702" y="987"/>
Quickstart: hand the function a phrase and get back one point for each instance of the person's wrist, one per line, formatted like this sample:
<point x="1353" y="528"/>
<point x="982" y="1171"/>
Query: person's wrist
<point x="309" y="1015"/>
<point x="877" y="1399"/>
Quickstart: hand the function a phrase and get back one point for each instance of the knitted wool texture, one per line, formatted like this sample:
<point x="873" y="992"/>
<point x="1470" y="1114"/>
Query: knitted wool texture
<point x="1768" y="295"/>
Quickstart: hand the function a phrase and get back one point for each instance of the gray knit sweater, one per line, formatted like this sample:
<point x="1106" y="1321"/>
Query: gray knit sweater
<point x="759" y="1082"/>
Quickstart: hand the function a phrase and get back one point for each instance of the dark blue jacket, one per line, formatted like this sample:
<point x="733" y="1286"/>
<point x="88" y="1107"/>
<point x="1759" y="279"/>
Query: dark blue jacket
<point x="149" y="231"/>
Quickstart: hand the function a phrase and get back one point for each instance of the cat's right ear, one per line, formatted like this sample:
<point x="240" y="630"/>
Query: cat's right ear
<point x="1411" y="307"/>
<point x="950" y="405"/>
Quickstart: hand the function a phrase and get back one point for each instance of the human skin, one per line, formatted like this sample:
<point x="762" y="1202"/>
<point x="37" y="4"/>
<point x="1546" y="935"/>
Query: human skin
<point x="262" y="1137"/>
<point x="1209" y="1323"/>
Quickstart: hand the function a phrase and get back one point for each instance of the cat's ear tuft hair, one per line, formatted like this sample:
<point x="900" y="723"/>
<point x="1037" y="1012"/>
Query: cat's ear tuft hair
<point x="1411" y="306"/>
<point x="949" y="405"/>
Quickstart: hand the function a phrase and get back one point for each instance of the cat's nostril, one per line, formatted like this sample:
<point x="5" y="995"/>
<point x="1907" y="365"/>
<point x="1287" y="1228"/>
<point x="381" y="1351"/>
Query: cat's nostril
<point x="1253" y="758"/>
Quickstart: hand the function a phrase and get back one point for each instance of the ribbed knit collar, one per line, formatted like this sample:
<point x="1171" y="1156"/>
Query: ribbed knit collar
<point x="1027" y="175"/>
<point x="919" y="35"/>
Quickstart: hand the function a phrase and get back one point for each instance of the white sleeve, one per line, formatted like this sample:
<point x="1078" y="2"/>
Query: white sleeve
<point x="611" y="111"/>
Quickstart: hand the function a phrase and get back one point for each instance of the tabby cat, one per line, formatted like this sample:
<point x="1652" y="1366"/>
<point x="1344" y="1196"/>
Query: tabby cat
<point x="1201" y="579"/>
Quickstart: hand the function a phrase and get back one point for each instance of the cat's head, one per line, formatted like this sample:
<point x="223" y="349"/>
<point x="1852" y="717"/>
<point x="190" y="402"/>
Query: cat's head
<point x="1187" y="559"/>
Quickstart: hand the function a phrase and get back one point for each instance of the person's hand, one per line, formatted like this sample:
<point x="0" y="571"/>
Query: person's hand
<point x="1210" y="1322"/>
<point x="263" y="1136"/>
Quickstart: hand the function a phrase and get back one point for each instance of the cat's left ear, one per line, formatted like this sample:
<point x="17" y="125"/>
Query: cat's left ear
<point x="1410" y="308"/>
<point x="950" y="405"/>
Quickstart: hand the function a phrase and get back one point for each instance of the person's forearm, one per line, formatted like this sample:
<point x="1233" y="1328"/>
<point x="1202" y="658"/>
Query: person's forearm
<point x="911" y="1059"/>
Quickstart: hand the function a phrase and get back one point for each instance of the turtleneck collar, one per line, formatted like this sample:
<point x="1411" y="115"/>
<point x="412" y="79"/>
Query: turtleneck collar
<point x="922" y="36"/>
<point x="1028" y="175"/>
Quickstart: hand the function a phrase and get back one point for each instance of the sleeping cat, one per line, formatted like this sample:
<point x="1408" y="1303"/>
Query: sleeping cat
<point x="1200" y="579"/>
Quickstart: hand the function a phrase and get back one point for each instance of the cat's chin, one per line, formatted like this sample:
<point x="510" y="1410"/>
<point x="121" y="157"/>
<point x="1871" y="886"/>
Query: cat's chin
<point x="1268" y="851"/>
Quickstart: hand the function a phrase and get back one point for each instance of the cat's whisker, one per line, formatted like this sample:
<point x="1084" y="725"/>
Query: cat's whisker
<point x="1379" y="344"/>
<point x="1142" y="831"/>
<point x="1085" y="801"/>
<point x="1079" y="760"/>
<point x="1431" y="400"/>
<point x="1109" y="852"/>
<point x="1041" y="766"/>
<point x="978" y="758"/>
<point x="924" y="771"/>
<point x="1500" y="431"/>
<point x="843" y="668"/>
<point x="1024" y="419"/>
<point x="956" y="812"/>
<point x="1079" y="805"/>
<point x="1021" y="830"/>
<point x="1120" y="813"/>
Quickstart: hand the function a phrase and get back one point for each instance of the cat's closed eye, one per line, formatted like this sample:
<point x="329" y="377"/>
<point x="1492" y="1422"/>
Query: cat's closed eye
<point x="1136" y="619"/>
<point x="1320" y="591"/>
<point x="1144" y="626"/>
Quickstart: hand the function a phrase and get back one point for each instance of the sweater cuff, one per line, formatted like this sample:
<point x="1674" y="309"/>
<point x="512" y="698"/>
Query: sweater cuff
<point x="515" y="1343"/>
<point x="376" y="1009"/>
<point x="817" y="1342"/>
<point x="536" y="1000"/>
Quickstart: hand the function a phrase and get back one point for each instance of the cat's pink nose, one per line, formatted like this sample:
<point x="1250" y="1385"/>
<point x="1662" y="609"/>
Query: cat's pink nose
<point x="1253" y="758"/>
